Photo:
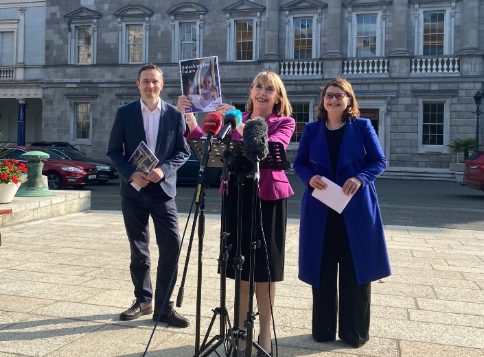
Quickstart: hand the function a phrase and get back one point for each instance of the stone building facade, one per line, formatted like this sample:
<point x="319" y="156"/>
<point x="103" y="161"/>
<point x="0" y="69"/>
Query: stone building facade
<point x="22" y="29"/>
<point x="415" y="64"/>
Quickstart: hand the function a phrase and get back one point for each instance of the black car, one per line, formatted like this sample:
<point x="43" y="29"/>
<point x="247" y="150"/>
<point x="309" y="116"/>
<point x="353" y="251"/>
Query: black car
<point x="105" y="171"/>
<point x="188" y="173"/>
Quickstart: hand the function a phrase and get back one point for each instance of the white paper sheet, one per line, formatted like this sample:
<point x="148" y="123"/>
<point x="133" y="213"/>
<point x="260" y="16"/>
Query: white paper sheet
<point x="332" y="196"/>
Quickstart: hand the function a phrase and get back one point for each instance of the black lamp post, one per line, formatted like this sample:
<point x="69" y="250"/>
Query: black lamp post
<point x="478" y="99"/>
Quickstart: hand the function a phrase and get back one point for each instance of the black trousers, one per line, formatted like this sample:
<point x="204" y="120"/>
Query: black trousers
<point x="136" y="211"/>
<point x="354" y="300"/>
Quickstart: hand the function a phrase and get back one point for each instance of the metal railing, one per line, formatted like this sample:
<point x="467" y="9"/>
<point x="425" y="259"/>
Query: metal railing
<point x="301" y="68"/>
<point x="7" y="73"/>
<point x="364" y="66"/>
<point x="441" y="65"/>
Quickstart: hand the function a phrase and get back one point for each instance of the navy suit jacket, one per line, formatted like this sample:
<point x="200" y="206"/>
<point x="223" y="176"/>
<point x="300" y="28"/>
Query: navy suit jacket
<point x="171" y="147"/>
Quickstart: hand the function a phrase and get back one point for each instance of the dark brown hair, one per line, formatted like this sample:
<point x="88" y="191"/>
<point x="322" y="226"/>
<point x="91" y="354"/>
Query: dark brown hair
<point x="149" y="66"/>
<point x="352" y="110"/>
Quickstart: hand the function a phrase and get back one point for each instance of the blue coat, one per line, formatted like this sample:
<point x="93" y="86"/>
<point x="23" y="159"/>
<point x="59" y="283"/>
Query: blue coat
<point x="361" y="156"/>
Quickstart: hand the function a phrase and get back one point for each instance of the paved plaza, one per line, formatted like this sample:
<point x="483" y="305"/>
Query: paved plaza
<point x="65" y="280"/>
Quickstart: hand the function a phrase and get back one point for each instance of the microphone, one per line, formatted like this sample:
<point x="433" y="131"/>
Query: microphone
<point x="255" y="139"/>
<point x="211" y="126"/>
<point x="232" y="119"/>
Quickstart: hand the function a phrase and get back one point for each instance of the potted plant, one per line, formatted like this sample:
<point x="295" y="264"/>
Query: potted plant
<point x="458" y="147"/>
<point x="12" y="174"/>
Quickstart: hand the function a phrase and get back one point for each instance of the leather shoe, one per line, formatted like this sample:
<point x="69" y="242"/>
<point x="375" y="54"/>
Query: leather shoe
<point x="136" y="310"/>
<point x="173" y="318"/>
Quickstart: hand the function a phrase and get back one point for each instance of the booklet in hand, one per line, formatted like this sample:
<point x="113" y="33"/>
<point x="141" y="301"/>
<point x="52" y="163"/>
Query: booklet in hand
<point x="332" y="196"/>
<point x="144" y="160"/>
<point x="200" y="82"/>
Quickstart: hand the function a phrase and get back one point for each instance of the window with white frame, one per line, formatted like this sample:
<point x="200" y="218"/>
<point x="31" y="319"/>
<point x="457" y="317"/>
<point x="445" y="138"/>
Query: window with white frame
<point x="82" y="27"/>
<point x="303" y="34"/>
<point x="7" y="47"/>
<point x="83" y="44"/>
<point x="243" y="39"/>
<point x="432" y="123"/>
<point x="434" y="31"/>
<point x="366" y="34"/>
<point x="302" y="37"/>
<point x="188" y="40"/>
<point x="82" y="120"/>
<point x="433" y="130"/>
<point x="133" y="43"/>
<point x="302" y="112"/>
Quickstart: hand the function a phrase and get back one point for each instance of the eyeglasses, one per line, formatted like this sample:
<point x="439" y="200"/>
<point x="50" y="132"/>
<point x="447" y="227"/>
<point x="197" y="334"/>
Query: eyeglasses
<point x="338" y="96"/>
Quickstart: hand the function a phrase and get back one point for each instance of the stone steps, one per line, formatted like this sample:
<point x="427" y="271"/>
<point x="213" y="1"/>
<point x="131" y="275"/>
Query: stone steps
<point x="27" y="209"/>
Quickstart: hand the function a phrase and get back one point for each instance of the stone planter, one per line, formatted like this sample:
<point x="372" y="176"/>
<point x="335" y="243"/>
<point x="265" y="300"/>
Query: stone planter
<point x="7" y="192"/>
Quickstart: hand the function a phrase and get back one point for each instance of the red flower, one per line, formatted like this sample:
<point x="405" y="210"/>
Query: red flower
<point x="3" y="176"/>
<point x="15" y="179"/>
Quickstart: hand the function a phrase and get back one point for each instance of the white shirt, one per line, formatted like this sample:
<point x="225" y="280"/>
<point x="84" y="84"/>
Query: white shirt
<point x="151" y="123"/>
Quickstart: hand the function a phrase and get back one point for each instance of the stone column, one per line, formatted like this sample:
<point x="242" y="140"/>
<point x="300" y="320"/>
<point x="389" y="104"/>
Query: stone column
<point x="400" y="28"/>
<point x="333" y="30"/>
<point x="21" y="122"/>
<point x="19" y="71"/>
<point x="271" y="48"/>
<point x="469" y="32"/>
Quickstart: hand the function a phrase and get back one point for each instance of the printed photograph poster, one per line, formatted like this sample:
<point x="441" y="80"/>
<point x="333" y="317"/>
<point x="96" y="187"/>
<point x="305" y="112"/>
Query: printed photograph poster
<point x="200" y="82"/>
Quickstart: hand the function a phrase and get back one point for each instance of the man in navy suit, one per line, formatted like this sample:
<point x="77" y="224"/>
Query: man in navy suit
<point x="161" y="127"/>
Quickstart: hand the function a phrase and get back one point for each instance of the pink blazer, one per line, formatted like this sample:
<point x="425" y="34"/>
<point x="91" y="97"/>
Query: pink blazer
<point x="273" y="184"/>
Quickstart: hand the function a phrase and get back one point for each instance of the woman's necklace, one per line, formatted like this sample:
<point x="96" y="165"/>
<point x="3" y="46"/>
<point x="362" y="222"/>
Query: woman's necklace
<point x="339" y="127"/>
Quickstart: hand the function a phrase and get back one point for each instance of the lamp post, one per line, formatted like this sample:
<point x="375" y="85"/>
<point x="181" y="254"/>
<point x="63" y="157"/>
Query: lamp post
<point x="478" y="99"/>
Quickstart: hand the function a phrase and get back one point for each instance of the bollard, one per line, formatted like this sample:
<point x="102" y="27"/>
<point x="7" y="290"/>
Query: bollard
<point x="34" y="186"/>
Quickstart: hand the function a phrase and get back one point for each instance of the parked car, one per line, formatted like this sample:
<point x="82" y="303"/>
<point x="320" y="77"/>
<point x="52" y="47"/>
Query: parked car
<point x="105" y="171"/>
<point x="474" y="171"/>
<point x="60" y="172"/>
<point x="61" y="144"/>
<point x="188" y="173"/>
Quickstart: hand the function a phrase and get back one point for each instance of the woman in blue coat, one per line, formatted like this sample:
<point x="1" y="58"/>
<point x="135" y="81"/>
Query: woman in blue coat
<point x="344" y="149"/>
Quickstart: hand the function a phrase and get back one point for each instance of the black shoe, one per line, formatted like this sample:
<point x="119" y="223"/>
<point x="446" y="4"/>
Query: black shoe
<point x="172" y="319"/>
<point x="136" y="310"/>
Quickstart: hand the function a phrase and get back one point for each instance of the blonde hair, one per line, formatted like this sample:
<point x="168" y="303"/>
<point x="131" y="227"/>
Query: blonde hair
<point x="352" y="110"/>
<point x="283" y="107"/>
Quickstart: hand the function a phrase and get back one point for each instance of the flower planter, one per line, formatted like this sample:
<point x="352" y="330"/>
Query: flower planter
<point x="7" y="192"/>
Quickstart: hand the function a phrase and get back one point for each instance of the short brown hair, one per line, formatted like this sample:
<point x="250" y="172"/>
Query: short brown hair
<point x="352" y="111"/>
<point x="147" y="67"/>
<point x="283" y="107"/>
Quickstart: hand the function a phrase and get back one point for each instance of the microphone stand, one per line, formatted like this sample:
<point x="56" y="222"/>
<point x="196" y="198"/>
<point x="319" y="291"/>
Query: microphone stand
<point x="254" y="244"/>
<point x="199" y="212"/>
<point x="223" y="259"/>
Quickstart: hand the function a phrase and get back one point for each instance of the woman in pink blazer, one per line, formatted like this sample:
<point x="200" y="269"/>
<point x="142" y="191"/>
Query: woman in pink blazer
<point x="267" y="99"/>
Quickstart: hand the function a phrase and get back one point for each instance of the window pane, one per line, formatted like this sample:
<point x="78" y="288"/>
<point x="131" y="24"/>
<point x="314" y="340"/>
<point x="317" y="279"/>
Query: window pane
<point x="301" y="115"/>
<point x="366" y="35"/>
<point x="6" y="48"/>
<point x="82" y="120"/>
<point x="83" y="44"/>
<point x="188" y="40"/>
<point x="135" y="43"/>
<point x="433" y="32"/>
<point x="244" y="43"/>
<point x="303" y="38"/>
<point x="433" y="124"/>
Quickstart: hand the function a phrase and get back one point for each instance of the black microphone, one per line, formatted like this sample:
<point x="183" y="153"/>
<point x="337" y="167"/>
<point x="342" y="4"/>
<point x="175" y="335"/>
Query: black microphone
<point x="232" y="119"/>
<point x="255" y="139"/>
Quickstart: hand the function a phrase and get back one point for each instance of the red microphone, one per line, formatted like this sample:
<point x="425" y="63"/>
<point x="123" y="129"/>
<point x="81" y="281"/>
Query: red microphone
<point x="212" y="124"/>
